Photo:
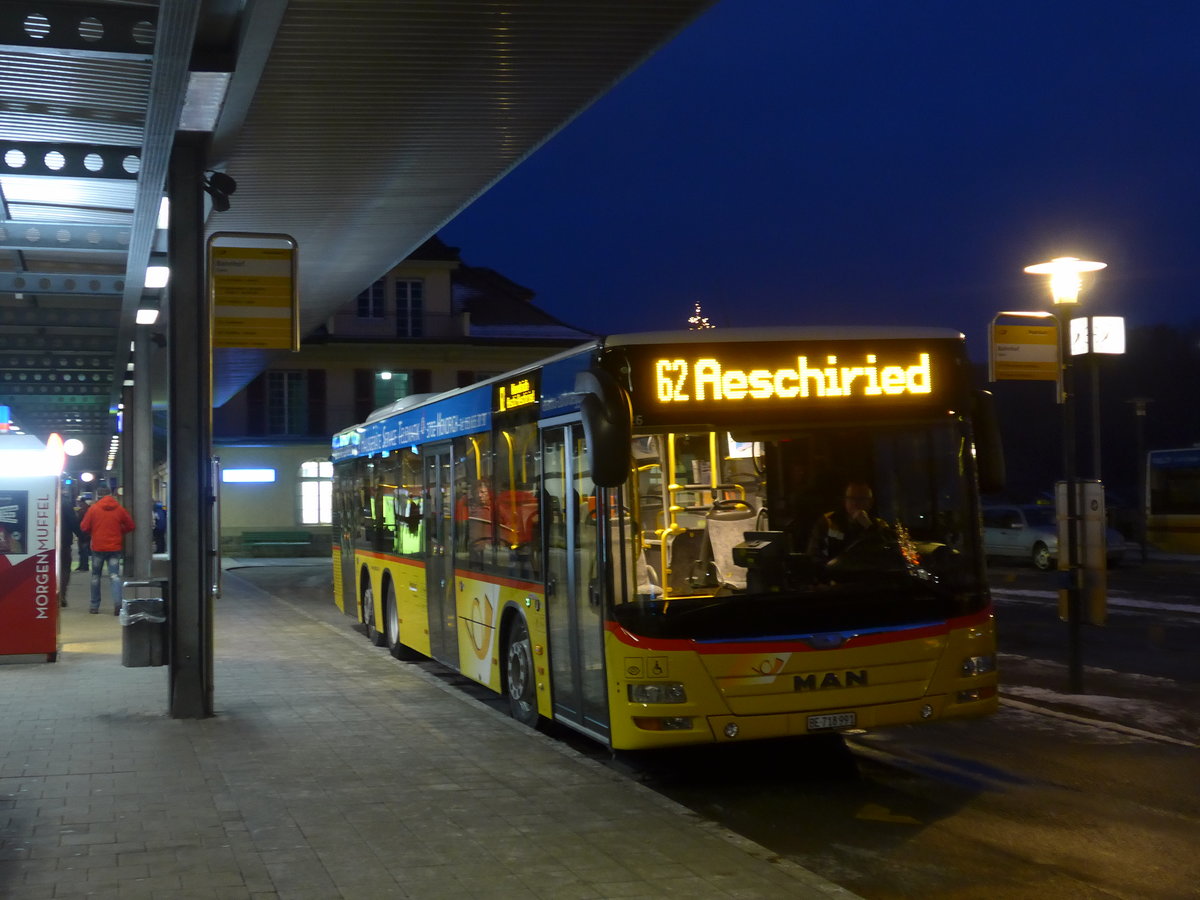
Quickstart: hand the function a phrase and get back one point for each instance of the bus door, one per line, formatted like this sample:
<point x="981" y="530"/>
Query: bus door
<point x="574" y="571"/>
<point x="439" y="553"/>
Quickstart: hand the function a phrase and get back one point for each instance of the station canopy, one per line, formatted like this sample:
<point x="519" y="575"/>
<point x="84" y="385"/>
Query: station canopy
<point x="359" y="127"/>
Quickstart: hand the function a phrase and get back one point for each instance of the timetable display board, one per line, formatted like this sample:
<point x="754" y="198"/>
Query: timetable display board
<point x="253" y="291"/>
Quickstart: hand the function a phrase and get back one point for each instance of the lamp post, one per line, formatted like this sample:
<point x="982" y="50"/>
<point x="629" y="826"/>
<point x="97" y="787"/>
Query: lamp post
<point x="1065" y="284"/>
<point x="1139" y="411"/>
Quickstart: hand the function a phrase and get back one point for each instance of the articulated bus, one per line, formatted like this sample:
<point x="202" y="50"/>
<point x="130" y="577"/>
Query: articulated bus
<point x="619" y="537"/>
<point x="1173" y="499"/>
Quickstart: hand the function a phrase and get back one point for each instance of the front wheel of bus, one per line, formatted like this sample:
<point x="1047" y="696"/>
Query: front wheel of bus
<point x="519" y="675"/>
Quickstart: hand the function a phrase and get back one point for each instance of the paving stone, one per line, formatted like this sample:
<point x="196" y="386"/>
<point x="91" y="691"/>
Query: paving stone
<point x="330" y="771"/>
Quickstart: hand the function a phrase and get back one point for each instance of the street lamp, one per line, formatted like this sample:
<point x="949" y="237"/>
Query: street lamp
<point x="1065" y="284"/>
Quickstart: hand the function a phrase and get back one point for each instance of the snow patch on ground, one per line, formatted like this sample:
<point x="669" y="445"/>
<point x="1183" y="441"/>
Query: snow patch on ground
<point x="1130" y="711"/>
<point x="1032" y="666"/>
<point x="1116" y="601"/>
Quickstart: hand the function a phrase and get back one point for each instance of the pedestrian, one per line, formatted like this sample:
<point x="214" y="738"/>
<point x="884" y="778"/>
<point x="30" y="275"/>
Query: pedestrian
<point x="68" y="528"/>
<point x="107" y="521"/>
<point x="85" y="539"/>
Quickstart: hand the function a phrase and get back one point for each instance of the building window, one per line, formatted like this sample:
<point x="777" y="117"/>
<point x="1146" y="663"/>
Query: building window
<point x="410" y="307"/>
<point x="287" y="402"/>
<point x="372" y="390"/>
<point x="371" y="301"/>
<point x="316" y="492"/>
<point x="390" y="386"/>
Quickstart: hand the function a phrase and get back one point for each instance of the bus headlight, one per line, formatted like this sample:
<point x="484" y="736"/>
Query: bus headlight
<point x="657" y="692"/>
<point x="978" y="665"/>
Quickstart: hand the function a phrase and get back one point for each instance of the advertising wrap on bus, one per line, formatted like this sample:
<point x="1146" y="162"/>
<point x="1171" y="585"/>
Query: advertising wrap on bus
<point x="455" y="416"/>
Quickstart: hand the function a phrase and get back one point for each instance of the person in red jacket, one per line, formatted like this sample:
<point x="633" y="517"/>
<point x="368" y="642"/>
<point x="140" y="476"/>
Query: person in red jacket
<point x="107" y="521"/>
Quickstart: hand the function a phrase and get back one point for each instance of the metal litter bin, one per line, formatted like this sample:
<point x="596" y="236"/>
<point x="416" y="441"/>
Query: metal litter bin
<point x="144" y="624"/>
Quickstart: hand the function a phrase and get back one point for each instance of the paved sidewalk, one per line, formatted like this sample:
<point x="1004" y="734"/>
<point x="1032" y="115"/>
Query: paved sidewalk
<point x="328" y="771"/>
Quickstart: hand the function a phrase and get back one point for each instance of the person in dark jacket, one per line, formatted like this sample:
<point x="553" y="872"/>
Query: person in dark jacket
<point x="85" y="539"/>
<point x="107" y="521"/>
<point x="68" y="528"/>
<point x="841" y="529"/>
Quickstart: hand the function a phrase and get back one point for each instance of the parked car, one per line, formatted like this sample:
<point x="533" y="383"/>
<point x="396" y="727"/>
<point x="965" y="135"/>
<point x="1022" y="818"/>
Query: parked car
<point x="1030" y="532"/>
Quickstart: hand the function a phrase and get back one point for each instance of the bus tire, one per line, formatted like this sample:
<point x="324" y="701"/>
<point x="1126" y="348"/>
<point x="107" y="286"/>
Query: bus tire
<point x="374" y="635"/>
<point x="391" y="627"/>
<point x="520" y="685"/>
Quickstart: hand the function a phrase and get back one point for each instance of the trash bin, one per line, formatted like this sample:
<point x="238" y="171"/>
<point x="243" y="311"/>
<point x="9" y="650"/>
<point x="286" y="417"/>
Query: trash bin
<point x="144" y="625"/>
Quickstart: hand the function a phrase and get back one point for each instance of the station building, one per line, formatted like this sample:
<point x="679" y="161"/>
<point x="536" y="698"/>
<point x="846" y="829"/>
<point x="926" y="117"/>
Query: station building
<point x="430" y="324"/>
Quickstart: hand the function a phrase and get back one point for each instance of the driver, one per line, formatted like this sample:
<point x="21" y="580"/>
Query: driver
<point x="840" y="529"/>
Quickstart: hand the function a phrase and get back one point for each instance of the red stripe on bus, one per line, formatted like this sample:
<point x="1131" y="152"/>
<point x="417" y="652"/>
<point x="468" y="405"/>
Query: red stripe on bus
<point x="796" y="644"/>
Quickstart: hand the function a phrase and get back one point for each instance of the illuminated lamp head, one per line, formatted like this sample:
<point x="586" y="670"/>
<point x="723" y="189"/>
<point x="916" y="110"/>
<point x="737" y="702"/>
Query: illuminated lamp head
<point x="1064" y="272"/>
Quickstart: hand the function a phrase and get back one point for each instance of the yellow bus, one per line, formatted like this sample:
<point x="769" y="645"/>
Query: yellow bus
<point x="641" y="538"/>
<point x="1173" y="499"/>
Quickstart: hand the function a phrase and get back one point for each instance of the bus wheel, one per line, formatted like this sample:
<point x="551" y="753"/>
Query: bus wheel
<point x="1041" y="556"/>
<point x="391" y="628"/>
<point x="373" y="633"/>
<point x="519" y="680"/>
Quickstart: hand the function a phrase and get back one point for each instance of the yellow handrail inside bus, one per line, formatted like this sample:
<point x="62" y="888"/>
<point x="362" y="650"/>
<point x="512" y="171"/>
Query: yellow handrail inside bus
<point x="512" y="493"/>
<point x="475" y="445"/>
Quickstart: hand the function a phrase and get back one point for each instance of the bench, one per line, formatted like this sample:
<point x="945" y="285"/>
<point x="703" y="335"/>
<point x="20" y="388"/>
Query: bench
<point x="276" y="540"/>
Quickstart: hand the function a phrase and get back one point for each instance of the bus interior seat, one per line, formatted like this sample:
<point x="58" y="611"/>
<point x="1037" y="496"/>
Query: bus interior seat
<point x="683" y="551"/>
<point x="640" y="577"/>
<point x="727" y="524"/>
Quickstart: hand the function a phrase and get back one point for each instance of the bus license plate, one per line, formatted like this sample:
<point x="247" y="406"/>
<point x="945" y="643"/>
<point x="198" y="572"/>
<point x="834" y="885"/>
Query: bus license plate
<point x="832" y="720"/>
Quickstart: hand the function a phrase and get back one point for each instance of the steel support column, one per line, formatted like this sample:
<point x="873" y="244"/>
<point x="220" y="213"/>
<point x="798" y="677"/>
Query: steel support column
<point x="189" y="440"/>
<point x="138" y="457"/>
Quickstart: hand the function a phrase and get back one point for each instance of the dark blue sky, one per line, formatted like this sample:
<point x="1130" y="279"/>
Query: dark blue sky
<point x="868" y="161"/>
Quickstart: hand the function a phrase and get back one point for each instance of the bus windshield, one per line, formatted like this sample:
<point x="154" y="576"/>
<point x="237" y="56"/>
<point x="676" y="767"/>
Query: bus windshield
<point x="831" y="529"/>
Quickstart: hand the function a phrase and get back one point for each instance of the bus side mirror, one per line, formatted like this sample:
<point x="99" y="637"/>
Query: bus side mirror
<point x="607" y="426"/>
<point x="989" y="450"/>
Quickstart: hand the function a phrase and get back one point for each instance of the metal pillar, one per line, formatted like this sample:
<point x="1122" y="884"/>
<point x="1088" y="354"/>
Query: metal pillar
<point x="189" y="440"/>
<point x="138" y="461"/>
<point x="1094" y="365"/>
<point x="1074" y="571"/>
<point x="1143" y="502"/>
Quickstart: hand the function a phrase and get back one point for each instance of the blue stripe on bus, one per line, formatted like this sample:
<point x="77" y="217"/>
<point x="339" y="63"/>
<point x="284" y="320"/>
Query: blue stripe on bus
<point x="819" y="635"/>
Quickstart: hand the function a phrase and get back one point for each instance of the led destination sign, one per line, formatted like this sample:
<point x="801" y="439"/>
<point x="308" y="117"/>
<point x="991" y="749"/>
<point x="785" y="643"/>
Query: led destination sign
<point x="516" y="394"/>
<point x="705" y="378"/>
<point x="774" y="381"/>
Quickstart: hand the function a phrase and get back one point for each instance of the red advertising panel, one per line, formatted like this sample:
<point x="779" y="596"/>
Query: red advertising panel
<point x="29" y="565"/>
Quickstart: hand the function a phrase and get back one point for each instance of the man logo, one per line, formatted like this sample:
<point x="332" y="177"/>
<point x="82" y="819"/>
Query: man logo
<point x="810" y="682"/>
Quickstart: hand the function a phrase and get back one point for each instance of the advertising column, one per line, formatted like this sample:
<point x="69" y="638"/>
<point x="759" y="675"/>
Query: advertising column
<point x="29" y="485"/>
